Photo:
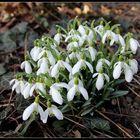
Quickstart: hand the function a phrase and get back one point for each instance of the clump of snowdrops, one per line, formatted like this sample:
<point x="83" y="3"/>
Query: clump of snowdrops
<point x="76" y="70"/>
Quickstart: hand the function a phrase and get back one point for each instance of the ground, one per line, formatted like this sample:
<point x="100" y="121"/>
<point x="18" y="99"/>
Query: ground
<point x="20" y="25"/>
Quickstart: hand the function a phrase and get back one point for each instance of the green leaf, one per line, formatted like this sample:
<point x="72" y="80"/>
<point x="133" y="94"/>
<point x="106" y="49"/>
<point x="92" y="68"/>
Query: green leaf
<point x="98" y="123"/>
<point x="87" y="110"/>
<point x="117" y="82"/>
<point x="119" y="93"/>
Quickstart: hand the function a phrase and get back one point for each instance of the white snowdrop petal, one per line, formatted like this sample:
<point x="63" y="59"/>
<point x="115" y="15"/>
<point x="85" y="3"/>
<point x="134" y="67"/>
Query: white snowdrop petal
<point x="71" y="93"/>
<point x="107" y="62"/>
<point x="93" y="53"/>
<point x="104" y="37"/>
<point x="94" y="75"/>
<point x="62" y="84"/>
<point x="134" y="65"/>
<point x="55" y="70"/>
<point x="51" y="58"/>
<point x="42" y="114"/>
<point x="39" y="62"/>
<point x="67" y="66"/>
<point x="99" y="65"/>
<point x="106" y="77"/>
<point x="26" y="92"/>
<point x="128" y="74"/>
<point x="57" y="38"/>
<point x="41" y="87"/>
<point x="100" y="81"/>
<point x="58" y="114"/>
<point x="121" y="40"/>
<point x="117" y="70"/>
<point x="84" y="92"/>
<point x="112" y="42"/>
<point x="28" y="111"/>
<point x="28" y="68"/>
<point x="32" y="90"/>
<point x="133" y="45"/>
<point x="77" y="67"/>
<point x="22" y="65"/>
<point x="81" y="30"/>
<point x="56" y="96"/>
<point x="15" y="85"/>
<point x="40" y="54"/>
<point x="89" y="66"/>
<point x="12" y="81"/>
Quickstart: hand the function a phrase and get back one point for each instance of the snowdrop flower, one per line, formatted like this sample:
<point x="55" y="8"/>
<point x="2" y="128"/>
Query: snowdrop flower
<point x="26" y="64"/>
<point x="122" y="66"/>
<point x="100" y="80"/>
<point x="110" y="35"/>
<point x="121" y="40"/>
<point x="77" y="88"/>
<point x="72" y="45"/>
<point x="58" y="65"/>
<point x="90" y="36"/>
<point x="35" y="52"/>
<point x="43" y="66"/>
<point x="54" y="91"/>
<point x="81" y="30"/>
<point x="81" y="63"/>
<point x="71" y="83"/>
<point x="133" y="65"/>
<point x="34" y="107"/>
<point x="18" y="85"/>
<point x="92" y="52"/>
<point x="26" y="90"/>
<point x="52" y="110"/>
<point x="99" y="29"/>
<point x="100" y="64"/>
<point x="72" y="56"/>
<point x="57" y="38"/>
<point x="134" y="44"/>
<point x="38" y="86"/>
<point x="49" y="56"/>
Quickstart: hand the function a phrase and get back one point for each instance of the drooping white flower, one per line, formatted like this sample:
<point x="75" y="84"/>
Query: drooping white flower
<point x="58" y="65"/>
<point x="81" y="30"/>
<point x="72" y="55"/>
<point x="100" y="80"/>
<point x="121" y="40"/>
<point x="53" y="110"/>
<point x="57" y="38"/>
<point x="72" y="45"/>
<point x="26" y="90"/>
<point x="133" y="65"/>
<point x="34" y="107"/>
<point x="35" y="52"/>
<point x="43" y="66"/>
<point x="50" y="57"/>
<point x="54" y="91"/>
<point x="109" y="35"/>
<point x="100" y="64"/>
<point x="99" y="29"/>
<point x="120" y="67"/>
<point x="26" y="64"/>
<point x="39" y="87"/>
<point x="134" y="44"/>
<point x="81" y="63"/>
<point x="90" y="37"/>
<point x="92" y="52"/>
<point x="18" y="85"/>
<point x="77" y="88"/>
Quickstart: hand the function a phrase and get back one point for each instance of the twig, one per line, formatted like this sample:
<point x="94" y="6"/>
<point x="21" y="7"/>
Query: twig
<point x="134" y="92"/>
<point x="114" y="124"/>
<point x="136" y="81"/>
<point x="120" y="115"/>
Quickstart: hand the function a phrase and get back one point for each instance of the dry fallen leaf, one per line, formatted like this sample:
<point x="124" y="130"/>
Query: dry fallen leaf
<point x="77" y="134"/>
